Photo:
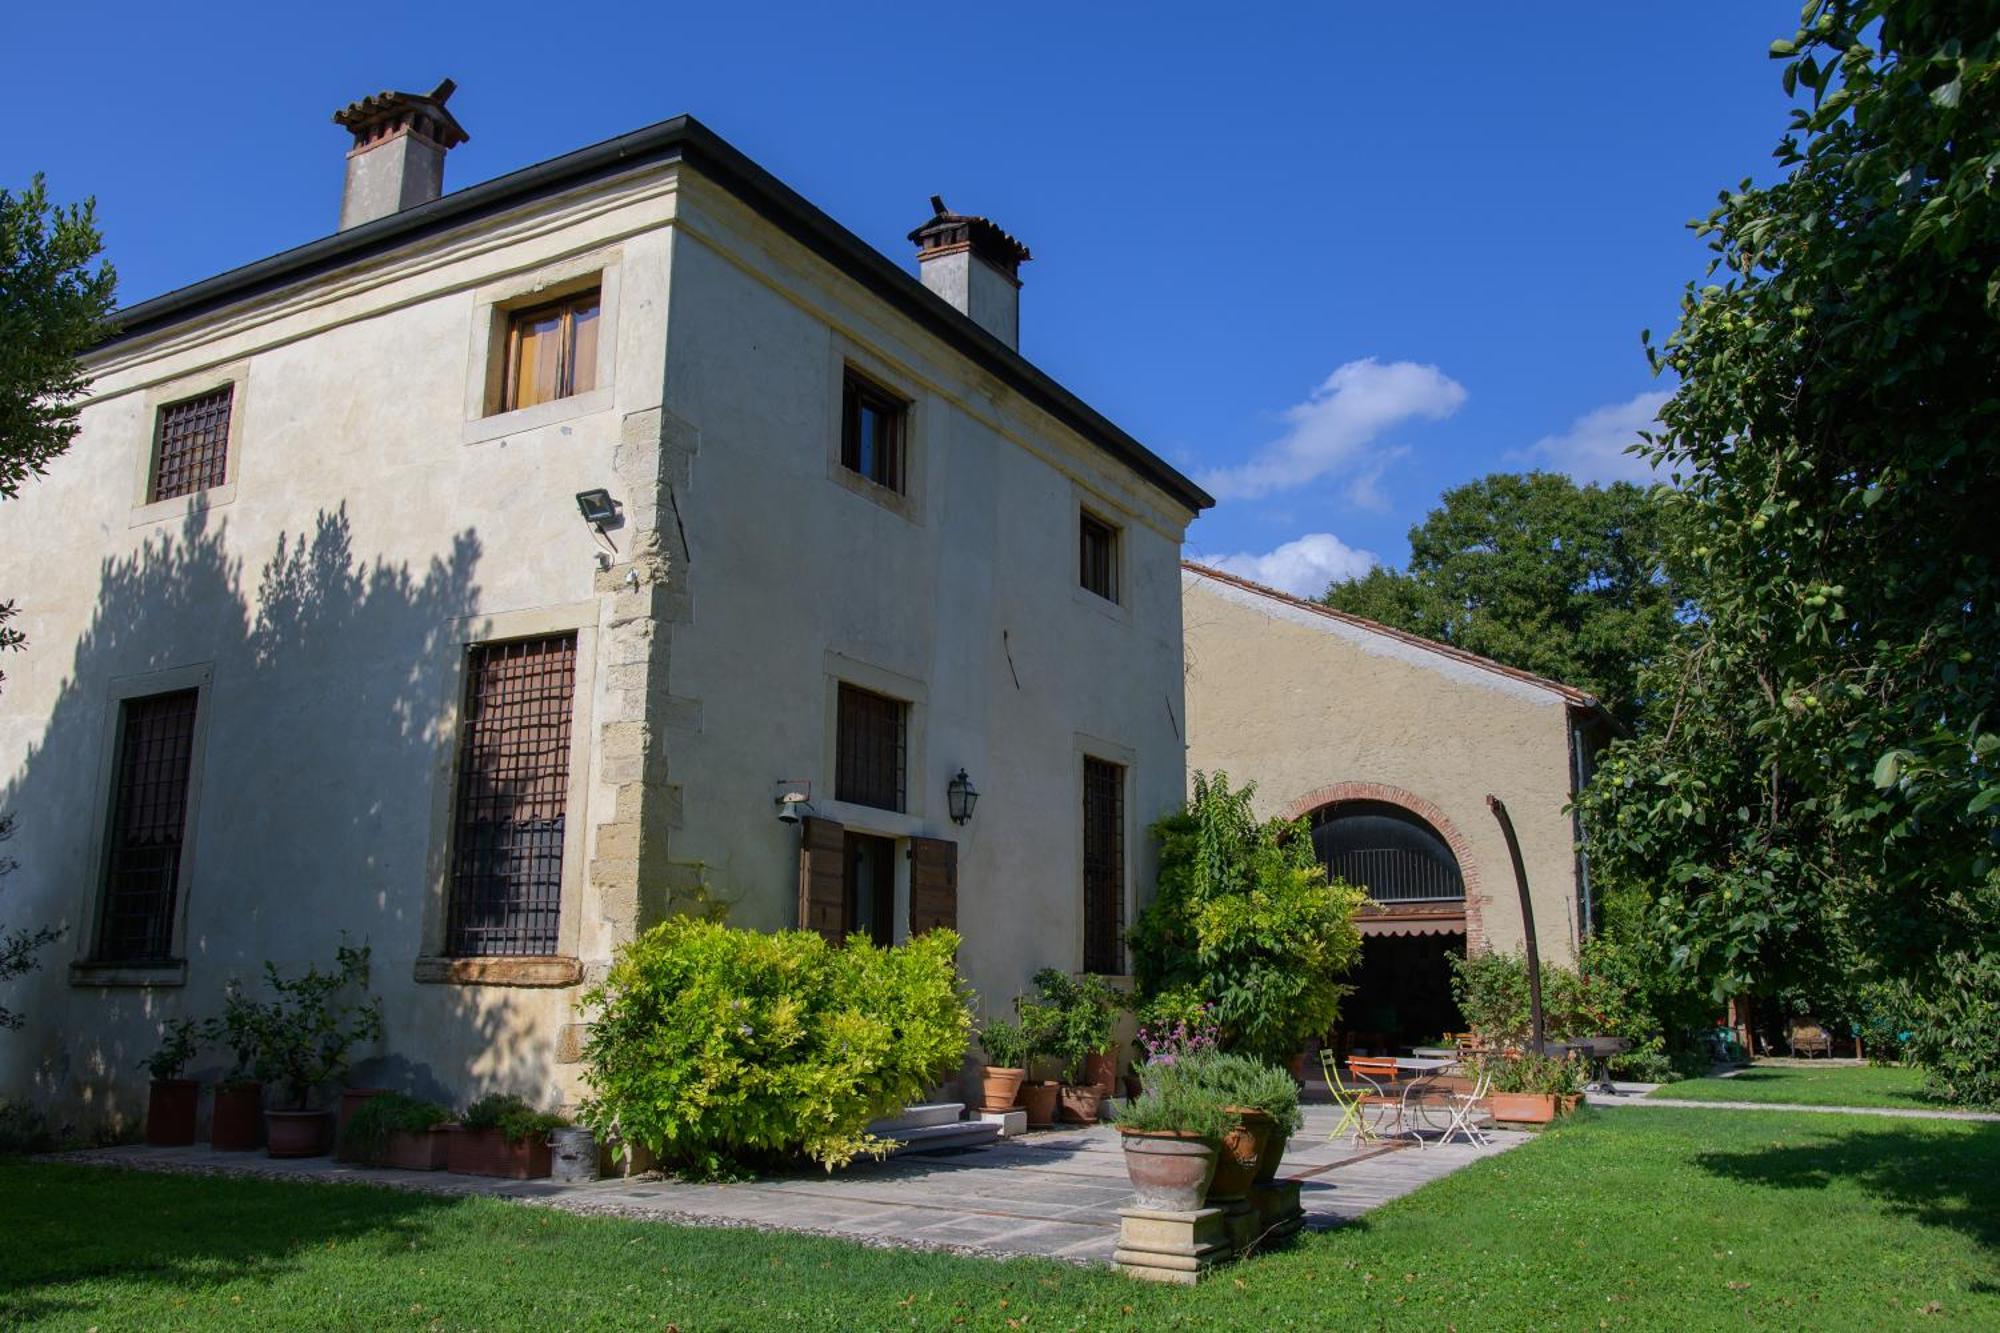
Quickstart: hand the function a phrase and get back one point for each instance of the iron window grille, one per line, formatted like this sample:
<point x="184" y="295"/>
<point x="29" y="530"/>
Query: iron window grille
<point x="512" y="796"/>
<point x="872" y="427"/>
<point x="1097" y="555"/>
<point x="192" y="453"/>
<point x="870" y="740"/>
<point x="1393" y="854"/>
<point x="551" y="351"/>
<point x="148" y="828"/>
<point x="1103" y="867"/>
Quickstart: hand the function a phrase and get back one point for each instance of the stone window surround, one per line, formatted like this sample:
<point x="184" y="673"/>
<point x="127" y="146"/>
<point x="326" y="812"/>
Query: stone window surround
<point x="846" y="355"/>
<point x="486" y="361"/>
<point x="561" y="968"/>
<point x="85" y="970"/>
<point x="1086" y="746"/>
<point x="1085" y="501"/>
<point x="235" y="375"/>
<point x="908" y="822"/>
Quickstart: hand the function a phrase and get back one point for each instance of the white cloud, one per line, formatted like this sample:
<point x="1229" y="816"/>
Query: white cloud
<point x="1331" y="430"/>
<point x="1302" y="568"/>
<point x="1593" y="448"/>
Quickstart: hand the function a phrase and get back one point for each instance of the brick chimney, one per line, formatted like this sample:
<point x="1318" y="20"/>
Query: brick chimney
<point x="397" y="161"/>
<point x="975" y="266"/>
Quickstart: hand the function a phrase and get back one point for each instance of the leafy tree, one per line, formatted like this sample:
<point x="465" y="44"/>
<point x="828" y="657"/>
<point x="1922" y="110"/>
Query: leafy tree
<point x="53" y="305"/>
<point x="1245" y="922"/>
<point x="1532" y="570"/>
<point x="1818" y="791"/>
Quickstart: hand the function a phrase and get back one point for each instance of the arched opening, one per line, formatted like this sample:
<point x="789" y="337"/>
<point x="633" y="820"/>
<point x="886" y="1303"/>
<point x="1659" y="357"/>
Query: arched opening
<point x="1411" y="928"/>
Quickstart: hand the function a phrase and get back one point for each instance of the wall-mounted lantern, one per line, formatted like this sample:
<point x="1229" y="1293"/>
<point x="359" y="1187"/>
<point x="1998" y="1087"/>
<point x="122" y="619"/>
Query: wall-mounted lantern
<point x="960" y="796"/>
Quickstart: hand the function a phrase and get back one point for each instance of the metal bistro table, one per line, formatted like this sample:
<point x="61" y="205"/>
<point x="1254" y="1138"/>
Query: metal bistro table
<point x="1425" y="1071"/>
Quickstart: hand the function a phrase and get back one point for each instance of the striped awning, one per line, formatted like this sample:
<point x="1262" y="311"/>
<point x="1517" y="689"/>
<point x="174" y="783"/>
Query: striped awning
<point x="1412" y="918"/>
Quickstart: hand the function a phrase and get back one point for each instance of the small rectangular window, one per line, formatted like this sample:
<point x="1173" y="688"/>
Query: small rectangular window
<point x="192" y="452"/>
<point x="1097" y="551"/>
<point x="869" y="741"/>
<point x="551" y="351"/>
<point x="148" y="828"/>
<point x="1103" y="867"/>
<point x="512" y="798"/>
<point x="871" y="432"/>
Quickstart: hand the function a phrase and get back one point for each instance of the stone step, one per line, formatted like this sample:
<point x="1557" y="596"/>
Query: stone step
<point x="922" y="1115"/>
<point x="930" y="1138"/>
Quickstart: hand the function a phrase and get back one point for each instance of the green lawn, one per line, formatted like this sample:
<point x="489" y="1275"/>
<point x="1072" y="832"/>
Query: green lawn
<point x="1810" y="1085"/>
<point x="1656" y="1219"/>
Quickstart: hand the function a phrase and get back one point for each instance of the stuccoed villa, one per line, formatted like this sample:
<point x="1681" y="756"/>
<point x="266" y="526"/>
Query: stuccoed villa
<point x="515" y="566"/>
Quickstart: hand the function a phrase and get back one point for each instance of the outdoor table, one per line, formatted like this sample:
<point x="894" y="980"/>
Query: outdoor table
<point x="1435" y="1052"/>
<point x="1425" y="1070"/>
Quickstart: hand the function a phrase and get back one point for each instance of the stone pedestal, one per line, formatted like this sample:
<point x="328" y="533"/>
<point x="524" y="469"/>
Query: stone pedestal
<point x="1173" y="1247"/>
<point x="1278" y="1210"/>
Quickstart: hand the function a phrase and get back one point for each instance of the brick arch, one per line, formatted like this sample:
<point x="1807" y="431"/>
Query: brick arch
<point x="1468" y="868"/>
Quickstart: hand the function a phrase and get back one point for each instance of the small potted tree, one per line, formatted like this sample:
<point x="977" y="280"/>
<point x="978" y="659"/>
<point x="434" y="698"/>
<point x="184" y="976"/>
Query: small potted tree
<point x="304" y="1034"/>
<point x="1040" y="1026"/>
<point x="1077" y="1021"/>
<point x="501" y="1135"/>
<point x="1171" y="1133"/>
<point x="172" y="1101"/>
<point x="236" y="1122"/>
<point x="390" y="1129"/>
<point x="1006" y="1048"/>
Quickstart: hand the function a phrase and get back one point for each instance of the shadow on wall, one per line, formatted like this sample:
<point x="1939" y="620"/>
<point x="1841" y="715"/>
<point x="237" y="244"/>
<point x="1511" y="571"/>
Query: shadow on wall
<point x="323" y="734"/>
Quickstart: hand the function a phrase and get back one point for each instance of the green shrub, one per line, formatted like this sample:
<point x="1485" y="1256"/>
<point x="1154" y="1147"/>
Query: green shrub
<point x="514" y="1118"/>
<point x="720" y="1050"/>
<point x="177" y="1047"/>
<point x="299" y="1039"/>
<point x="1006" y="1046"/>
<point x="1240" y="1081"/>
<point x="1531" y="1073"/>
<point x="1176" y="1100"/>
<point x="386" y="1113"/>
<point x="23" y="1129"/>
<point x="1246" y="923"/>
<point x="1070" y="1019"/>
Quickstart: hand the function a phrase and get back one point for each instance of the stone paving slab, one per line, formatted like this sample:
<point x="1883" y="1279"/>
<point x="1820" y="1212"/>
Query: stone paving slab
<point x="1055" y="1193"/>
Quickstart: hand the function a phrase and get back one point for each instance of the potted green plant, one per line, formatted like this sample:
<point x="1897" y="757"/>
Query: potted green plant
<point x="1532" y="1089"/>
<point x="1006" y="1048"/>
<point x="390" y="1129"/>
<point x="236" y="1122"/>
<point x="1267" y="1101"/>
<point x="304" y="1034"/>
<point x="501" y="1135"/>
<point x="1039" y="1027"/>
<point x="1171" y="1134"/>
<point x="172" y="1101"/>
<point x="1077" y="1017"/>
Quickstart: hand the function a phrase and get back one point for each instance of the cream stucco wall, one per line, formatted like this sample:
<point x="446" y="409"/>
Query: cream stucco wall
<point x="376" y="521"/>
<point x="1301" y="703"/>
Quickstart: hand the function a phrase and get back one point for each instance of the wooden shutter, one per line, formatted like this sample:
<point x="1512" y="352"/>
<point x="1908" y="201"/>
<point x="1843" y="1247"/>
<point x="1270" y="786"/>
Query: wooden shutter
<point x="823" y="878"/>
<point x="933" y="884"/>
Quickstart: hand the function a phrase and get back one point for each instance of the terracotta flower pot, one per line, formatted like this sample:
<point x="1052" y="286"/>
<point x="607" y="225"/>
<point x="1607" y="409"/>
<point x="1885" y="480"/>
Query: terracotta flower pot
<point x="1570" y="1101"/>
<point x="1236" y="1163"/>
<point x="413" y="1150"/>
<point x="297" y="1133"/>
<point x="1100" y="1071"/>
<point x="1081" y="1103"/>
<point x="1134" y="1087"/>
<point x="487" y="1152"/>
<point x="999" y="1087"/>
<point x="1038" y="1098"/>
<point x="238" y="1115"/>
<point x="1169" y="1172"/>
<point x="350" y="1102"/>
<point x="1522" y="1108"/>
<point x="1296" y="1067"/>
<point x="1272" y="1151"/>
<point x="171" y="1104"/>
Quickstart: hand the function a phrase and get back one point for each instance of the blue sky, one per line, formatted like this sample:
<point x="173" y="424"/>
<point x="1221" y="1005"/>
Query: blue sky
<point x="1329" y="259"/>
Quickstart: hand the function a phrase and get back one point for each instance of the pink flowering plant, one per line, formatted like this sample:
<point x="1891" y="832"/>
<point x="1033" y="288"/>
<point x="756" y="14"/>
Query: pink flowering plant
<point x="1175" y="1026"/>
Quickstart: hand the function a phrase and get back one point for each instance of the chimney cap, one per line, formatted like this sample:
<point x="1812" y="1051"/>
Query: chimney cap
<point x="947" y="231"/>
<point x="381" y="114"/>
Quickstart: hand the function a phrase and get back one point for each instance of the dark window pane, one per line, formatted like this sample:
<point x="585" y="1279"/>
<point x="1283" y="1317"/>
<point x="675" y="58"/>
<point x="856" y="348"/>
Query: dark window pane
<point x="1103" y="867"/>
<point x="1098" y="557"/>
<point x="148" y="827"/>
<point x="871" y="432"/>
<point x="869" y="749"/>
<point x="513" y="790"/>
<point x="193" y="451"/>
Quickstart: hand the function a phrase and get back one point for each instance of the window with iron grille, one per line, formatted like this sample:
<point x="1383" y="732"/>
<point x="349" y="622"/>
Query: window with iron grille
<point x="149" y="807"/>
<point x="1097" y="543"/>
<point x="551" y="351"/>
<point x="869" y="744"/>
<point x="1103" y="867"/>
<point x="512" y="795"/>
<point x="871" y="431"/>
<point x="192" y="451"/>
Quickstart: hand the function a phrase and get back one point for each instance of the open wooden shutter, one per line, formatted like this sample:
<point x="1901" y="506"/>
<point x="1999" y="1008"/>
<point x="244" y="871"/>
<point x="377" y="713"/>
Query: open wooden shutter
<point x="933" y="884"/>
<point x="823" y="878"/>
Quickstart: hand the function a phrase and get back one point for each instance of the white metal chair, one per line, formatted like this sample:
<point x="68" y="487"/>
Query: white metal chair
<point x="1463" y="1106"/>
